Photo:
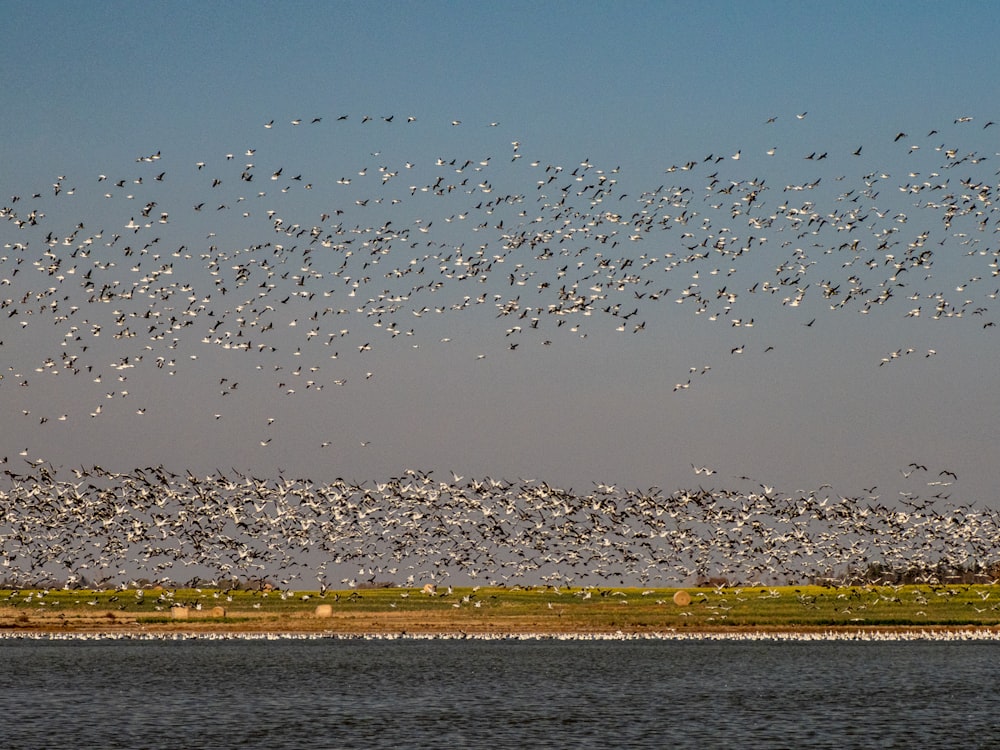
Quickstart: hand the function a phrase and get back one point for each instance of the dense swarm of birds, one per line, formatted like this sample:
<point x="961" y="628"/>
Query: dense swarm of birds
<point x="303" y="269"/>
<point x="101" y="526"/>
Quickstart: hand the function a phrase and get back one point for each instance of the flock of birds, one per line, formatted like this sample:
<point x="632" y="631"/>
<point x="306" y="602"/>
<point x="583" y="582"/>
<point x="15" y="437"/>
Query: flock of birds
<point x="294" y="271"/>
<point x="100" y="527"/>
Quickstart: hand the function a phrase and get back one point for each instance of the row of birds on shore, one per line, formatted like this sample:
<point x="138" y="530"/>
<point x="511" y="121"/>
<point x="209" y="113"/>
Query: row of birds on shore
<point x="91" y="525"/>
<point x="293" y="268"/>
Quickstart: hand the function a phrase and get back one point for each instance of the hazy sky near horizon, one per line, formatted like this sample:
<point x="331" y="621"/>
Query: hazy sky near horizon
<point x="625" y="95"/>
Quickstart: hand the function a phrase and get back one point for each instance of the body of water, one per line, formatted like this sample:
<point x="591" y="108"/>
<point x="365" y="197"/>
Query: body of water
<point x="544" y="693"/>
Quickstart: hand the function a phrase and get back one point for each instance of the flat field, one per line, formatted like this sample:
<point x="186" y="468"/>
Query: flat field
<point x="500" y="610"/>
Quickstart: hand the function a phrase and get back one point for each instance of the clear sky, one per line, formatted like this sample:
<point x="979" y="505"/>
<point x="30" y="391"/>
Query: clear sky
<point x="623" y="96"/>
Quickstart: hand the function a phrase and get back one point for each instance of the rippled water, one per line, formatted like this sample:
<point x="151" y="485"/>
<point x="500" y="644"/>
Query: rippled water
<point x="526" y="694"/>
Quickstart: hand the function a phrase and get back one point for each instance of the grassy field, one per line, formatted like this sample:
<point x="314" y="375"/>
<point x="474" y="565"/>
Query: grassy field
<point x="501" y="610"/>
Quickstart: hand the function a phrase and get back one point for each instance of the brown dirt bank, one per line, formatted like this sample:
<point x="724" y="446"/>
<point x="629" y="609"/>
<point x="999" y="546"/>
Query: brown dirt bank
<point x="424" y="623"/>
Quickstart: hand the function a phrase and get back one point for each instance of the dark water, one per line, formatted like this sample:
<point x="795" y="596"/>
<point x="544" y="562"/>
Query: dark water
<point x="498" y="694"/>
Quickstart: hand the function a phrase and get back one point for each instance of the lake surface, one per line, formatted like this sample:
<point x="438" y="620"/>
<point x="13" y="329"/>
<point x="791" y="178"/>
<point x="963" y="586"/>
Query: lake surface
<point x="544" y="693"/>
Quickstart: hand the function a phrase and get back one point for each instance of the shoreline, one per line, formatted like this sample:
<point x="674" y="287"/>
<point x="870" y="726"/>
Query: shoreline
<point x="787" y="613"/>
<point x="874" y="634"/>
<point x="312" y="628"/>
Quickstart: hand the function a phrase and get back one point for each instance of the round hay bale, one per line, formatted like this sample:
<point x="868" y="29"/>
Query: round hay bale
<point x="217" y="612"/>
<point x="682" y="598"/>
<point x="180" y="613"/>
<point x="324" y="610"/>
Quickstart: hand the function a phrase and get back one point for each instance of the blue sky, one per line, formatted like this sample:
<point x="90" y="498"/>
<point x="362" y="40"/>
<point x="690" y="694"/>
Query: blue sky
<point x="629" y="89"/>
